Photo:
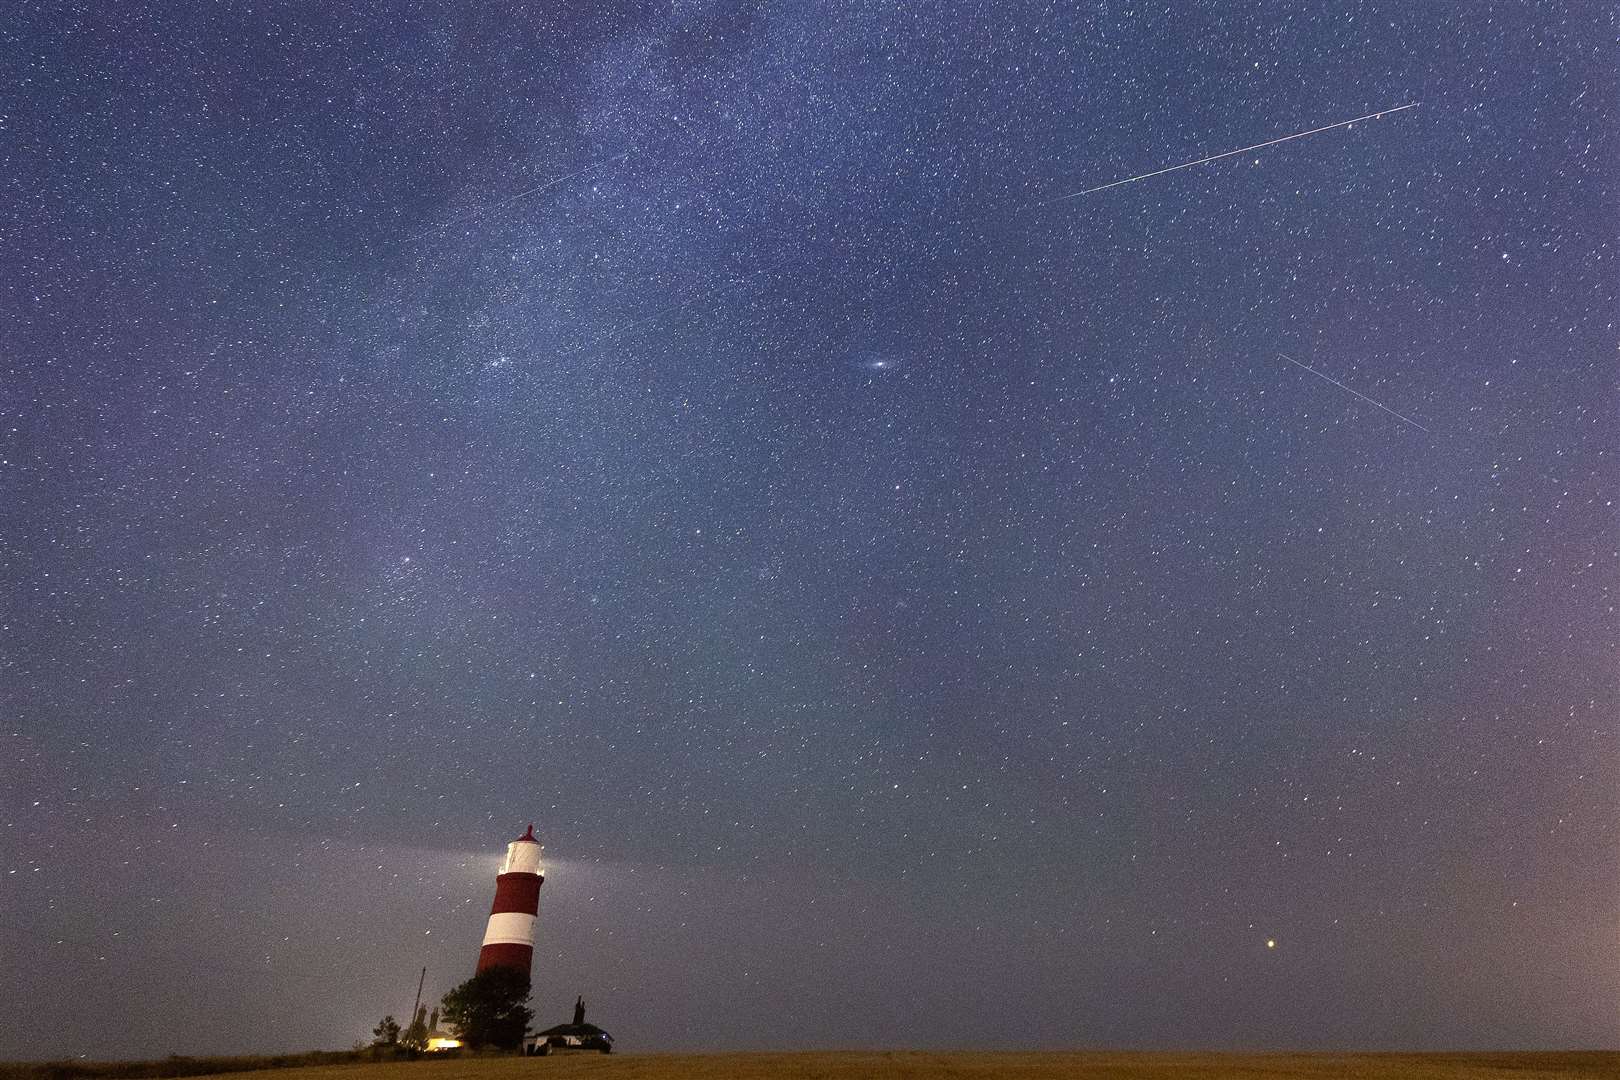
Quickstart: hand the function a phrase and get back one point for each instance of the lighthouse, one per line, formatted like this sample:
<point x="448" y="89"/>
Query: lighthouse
<point x="509" y="938"/>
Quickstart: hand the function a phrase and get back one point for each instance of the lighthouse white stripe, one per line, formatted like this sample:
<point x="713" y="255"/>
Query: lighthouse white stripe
<point x="510" y="928"/>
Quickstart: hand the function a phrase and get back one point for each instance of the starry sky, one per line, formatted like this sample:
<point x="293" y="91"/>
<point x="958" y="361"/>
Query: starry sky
<point x="916" y="608"/>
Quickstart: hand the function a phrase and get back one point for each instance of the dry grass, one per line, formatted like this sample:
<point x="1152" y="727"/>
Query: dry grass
<point x="977" y="1066"/>
<point x="177" y="1066"/>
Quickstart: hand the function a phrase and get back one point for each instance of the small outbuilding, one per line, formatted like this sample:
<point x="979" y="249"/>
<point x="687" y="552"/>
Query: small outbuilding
<point x="575" y="1036"/>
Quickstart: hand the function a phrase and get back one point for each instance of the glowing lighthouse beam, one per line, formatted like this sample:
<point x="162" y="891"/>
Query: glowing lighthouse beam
<point x="509" y="937"/>
<point x="1216" y="157"/>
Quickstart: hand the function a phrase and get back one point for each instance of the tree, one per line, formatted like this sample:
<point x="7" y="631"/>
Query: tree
<point x="386" y="1033"/>
<point x="488" y="1009"/>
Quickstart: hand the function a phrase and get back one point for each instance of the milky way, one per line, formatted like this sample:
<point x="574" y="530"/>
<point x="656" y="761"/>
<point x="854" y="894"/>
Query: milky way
<point x="906" y="624"/>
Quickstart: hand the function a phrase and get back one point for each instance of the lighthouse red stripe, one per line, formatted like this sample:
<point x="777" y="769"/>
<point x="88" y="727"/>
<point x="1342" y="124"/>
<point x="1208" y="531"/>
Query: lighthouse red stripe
<point x="517" y="892"/>
<point x="505" y="955"/>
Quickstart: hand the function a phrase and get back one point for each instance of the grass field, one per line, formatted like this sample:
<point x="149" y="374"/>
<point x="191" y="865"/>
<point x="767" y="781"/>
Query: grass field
<point x="903" y="1065"/>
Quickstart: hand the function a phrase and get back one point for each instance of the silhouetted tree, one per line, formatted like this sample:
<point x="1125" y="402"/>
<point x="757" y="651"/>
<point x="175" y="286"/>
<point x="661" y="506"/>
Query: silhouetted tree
<point x="387" y="1032"/>
<point x="488" y="1009"/>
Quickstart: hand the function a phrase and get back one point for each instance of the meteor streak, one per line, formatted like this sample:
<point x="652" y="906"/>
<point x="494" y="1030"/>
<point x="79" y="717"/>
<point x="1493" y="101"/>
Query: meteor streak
<point x="1359" y="394"/>
<point x="480" y="211"/>
<point x="1216" y="157"/>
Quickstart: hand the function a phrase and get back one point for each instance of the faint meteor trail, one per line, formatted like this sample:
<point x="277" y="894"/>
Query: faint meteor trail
<point x="1380" y="114"/>
<point x="1359" y="394"/>
<point x="553" y="183"/>
<point x="537" y="189"/>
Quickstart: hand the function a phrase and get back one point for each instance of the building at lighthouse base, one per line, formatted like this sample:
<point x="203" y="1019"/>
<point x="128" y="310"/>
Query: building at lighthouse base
<point x="573" y="1036"/>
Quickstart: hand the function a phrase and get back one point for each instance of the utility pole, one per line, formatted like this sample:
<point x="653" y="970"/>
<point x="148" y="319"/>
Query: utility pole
<point x="418" y="1006"/>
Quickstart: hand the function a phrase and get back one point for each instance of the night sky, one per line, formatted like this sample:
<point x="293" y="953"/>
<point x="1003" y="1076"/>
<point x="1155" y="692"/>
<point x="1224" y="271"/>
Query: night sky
<point x="914" y="607"/>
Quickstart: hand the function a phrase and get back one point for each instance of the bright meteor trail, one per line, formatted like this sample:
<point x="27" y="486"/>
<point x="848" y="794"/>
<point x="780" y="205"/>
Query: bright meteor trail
<point x="1216" y="157"/>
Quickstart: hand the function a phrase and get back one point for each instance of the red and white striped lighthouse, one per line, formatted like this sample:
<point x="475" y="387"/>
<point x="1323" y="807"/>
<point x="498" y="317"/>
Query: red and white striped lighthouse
<point x="509" y="938"/>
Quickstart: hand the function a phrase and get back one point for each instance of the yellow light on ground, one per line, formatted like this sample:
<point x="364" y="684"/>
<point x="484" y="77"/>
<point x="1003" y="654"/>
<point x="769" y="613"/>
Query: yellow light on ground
<point x="439" y="1043"/>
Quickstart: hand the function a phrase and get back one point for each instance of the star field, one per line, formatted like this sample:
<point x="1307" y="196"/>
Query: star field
<point x="912" y="610"/>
